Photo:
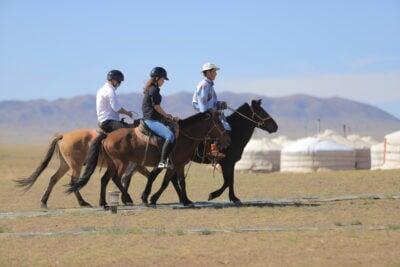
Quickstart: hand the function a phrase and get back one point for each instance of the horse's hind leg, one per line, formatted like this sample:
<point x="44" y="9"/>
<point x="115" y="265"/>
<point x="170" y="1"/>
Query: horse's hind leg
<point x="126" y="198"/>
<point x="74" y="178"/>
<point x="126" y="179"/>
<point x="62" y="170"/>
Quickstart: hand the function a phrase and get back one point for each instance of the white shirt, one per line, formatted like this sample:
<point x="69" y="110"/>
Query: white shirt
<point x="107" y="105"/>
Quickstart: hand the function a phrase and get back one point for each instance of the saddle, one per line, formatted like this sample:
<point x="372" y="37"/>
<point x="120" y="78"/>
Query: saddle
<point x="146" y="134"/>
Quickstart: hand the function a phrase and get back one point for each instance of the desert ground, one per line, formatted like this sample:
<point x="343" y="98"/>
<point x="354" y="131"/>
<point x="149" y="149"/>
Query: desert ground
<point x="341" y="218"/>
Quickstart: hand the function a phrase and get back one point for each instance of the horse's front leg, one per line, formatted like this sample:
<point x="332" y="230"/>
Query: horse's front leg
<point x="150" y="179"/>
<point x="175" y="182"/>
<point x="165" y="182"/>
<point x="182" y="184"/>
<point x="218" y="192"/>
<point x="229" y="174"/>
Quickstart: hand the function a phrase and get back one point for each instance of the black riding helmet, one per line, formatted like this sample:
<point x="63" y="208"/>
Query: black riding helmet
<point x="115" y="75"/>
<point x="159" y="72"/>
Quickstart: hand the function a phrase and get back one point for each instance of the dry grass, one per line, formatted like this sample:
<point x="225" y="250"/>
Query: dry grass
<point x="161" y="237"/>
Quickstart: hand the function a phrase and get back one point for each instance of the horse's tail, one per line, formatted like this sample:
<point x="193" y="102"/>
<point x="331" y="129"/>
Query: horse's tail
<point x="91" y="164"/>
<point x="29" y="181"/>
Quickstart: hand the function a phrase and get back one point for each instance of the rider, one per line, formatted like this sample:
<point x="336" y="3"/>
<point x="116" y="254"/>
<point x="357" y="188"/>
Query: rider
<point x="205" y="98"/>
<point x="154" y="115"/>
<point x="107" y="105"/>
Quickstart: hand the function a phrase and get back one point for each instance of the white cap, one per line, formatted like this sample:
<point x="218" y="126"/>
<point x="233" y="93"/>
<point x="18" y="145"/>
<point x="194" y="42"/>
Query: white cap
<point x="209" y="66"/>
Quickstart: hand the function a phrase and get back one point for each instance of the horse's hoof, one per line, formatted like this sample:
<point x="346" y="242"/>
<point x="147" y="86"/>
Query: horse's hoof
<point x="153" y="200"/>
<point x="128" y="203"/>
<point x="43" y="206"/>
<point x="237" y="202"/>
<point x="189" y="204"/>
<point x="210" y="197"/>
<point x="85" y="204"/>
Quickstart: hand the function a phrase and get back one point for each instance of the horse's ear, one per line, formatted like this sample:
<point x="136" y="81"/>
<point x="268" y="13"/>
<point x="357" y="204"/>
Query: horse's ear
<point x="256" y="102"/>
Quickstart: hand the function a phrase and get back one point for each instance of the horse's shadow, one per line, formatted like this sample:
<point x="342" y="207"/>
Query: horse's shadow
<point x="222" y="205"/>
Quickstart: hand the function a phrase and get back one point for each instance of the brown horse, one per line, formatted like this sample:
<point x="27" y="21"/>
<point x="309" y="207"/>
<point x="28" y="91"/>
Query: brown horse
<point x="124" y="145"/>
<point x="72" y="149"/>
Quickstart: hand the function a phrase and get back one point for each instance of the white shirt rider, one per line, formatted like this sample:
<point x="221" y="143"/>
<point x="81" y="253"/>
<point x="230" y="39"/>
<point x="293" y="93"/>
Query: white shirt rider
<point x="107" y="104"/>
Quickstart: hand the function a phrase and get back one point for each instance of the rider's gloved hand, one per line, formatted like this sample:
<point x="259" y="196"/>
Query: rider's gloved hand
<point x="222" y="105"/>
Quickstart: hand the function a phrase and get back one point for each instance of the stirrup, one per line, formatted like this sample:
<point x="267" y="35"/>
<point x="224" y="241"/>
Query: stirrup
<point x="165" y="165"/>
<point x="214" y="152"/>
<point x="216" y="155"/>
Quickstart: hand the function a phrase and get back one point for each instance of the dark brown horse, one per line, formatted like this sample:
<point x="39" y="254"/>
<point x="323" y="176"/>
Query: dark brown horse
<point x="243" y="122"/>
<point x="72" y="148"/>
<point x="124" y="146"/>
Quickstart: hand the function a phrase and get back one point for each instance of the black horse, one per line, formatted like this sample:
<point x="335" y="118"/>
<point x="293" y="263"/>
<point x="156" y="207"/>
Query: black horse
<point x="243" y="121"/>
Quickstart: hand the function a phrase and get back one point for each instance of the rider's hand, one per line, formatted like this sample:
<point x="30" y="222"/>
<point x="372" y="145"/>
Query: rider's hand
<point x="129" y="114"/>
<point x="222" y="105"/>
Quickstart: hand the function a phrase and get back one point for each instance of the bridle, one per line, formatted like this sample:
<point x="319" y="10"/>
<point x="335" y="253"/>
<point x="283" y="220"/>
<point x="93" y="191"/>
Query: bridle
<point x="254" y="114"/>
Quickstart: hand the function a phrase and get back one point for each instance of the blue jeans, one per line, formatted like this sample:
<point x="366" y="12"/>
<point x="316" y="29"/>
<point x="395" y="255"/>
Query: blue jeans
<point x="161" y="130"/>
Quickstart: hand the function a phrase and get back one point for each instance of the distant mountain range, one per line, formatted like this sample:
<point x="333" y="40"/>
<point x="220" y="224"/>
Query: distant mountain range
<point x="36" y="121"/>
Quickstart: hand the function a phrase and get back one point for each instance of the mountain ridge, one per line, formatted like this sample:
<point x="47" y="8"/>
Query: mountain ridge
<point x="36" y="121"/>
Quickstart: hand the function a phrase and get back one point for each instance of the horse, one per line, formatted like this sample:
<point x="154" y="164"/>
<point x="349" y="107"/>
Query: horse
<point x="72" y="148"/>
<point x="243" y="121"/>
<point x="125" y="145"/>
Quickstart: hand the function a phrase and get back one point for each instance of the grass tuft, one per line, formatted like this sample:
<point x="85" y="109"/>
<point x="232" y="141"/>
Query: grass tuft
<point x="206" y="232"/>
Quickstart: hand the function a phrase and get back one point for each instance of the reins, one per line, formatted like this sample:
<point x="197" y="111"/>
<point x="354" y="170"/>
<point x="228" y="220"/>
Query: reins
<point x="258" y="123"/>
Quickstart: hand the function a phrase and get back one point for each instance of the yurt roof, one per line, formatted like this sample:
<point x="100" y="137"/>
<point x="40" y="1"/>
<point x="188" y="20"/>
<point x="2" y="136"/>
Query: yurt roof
<point x="282" y="141"/>
<point x="369" y="140"/>
<point x="393" y="137"/>
<point x="313" y="144"/>
<point x="263" y="144"/>
<point x="377" y="147"/>
<point x="353" y="141"/>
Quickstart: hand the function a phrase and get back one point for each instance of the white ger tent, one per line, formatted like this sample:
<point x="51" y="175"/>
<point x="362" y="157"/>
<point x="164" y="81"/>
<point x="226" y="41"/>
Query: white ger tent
<point x="356" y="142"/>
<point x="391" y="157"/>
<point x="377" y="152"/>
<point x="316" y="154"/>
<point x="260" y="155"/>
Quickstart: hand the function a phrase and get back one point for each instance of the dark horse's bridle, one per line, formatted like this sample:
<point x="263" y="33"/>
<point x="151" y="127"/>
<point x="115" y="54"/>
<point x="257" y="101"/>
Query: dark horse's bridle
<point x="254" y="114"/>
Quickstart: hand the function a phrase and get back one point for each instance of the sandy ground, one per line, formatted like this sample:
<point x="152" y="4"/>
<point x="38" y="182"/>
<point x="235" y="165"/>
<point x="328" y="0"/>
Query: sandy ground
<point x="358" y="231"/>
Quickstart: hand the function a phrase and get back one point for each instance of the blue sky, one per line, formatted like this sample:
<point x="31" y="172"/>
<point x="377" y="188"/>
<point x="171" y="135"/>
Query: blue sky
<point x="60" y="49"/>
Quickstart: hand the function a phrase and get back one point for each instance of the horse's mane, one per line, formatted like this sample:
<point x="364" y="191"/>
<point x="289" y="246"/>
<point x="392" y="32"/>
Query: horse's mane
<point x="241" y="109"/>
<point x="192" y="118"/>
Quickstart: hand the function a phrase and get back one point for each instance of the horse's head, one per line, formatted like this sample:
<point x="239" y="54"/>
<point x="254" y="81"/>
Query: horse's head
<point x="262" y="118"/>
<point x="217" y="131"/>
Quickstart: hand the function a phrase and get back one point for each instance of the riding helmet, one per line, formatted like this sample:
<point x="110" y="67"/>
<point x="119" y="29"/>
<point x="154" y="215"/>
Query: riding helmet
<point x="115" y="75"/>
<point x="159" y="72"/>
